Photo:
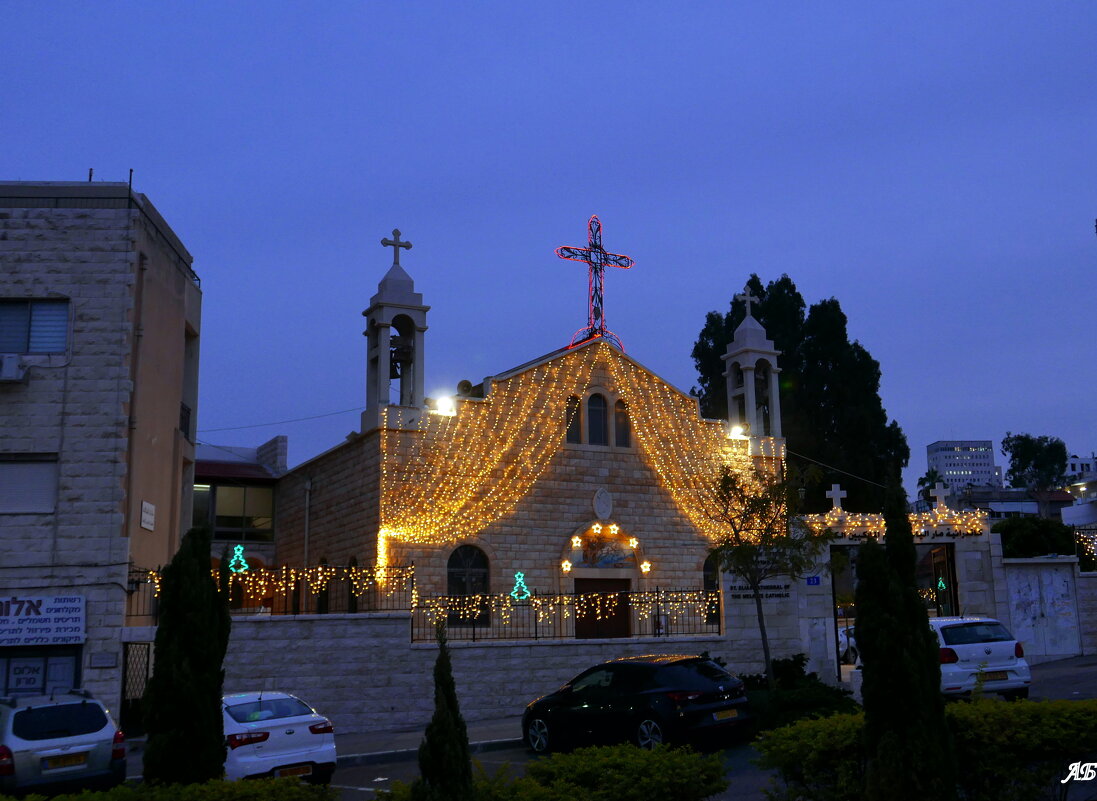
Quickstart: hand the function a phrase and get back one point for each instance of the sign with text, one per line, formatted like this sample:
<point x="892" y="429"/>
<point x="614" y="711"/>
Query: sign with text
<point x="42" y="620"/>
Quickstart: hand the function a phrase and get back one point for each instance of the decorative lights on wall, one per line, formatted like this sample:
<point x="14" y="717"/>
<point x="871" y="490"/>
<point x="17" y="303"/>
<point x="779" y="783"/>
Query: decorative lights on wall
<point x="445" y="477"/>
<point x="937" y="522"/>
<point x="258" y="582"/>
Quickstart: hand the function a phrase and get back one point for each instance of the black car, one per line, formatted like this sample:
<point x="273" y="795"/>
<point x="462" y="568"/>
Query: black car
<point x="646" y="699"/>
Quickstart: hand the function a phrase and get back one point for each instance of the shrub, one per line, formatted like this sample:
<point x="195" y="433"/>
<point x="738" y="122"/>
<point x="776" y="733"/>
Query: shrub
<point x="607" y="773"/>
<point x="799" y="695"/>
<point x="257" y="790"/>
<point x="1009" y="752"/>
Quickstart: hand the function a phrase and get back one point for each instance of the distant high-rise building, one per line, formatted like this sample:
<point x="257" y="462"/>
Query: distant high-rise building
<point x="964" y="462"/>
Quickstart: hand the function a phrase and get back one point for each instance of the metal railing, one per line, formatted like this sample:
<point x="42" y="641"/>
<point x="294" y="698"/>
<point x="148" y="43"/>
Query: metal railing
<point x="653" y="613"/>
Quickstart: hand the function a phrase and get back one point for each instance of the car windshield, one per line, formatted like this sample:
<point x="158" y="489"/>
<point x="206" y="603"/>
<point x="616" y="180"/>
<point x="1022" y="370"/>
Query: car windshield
<point x="59" y="720"/>
<point x="267" y="709"/>
<point x="980" y="631"/>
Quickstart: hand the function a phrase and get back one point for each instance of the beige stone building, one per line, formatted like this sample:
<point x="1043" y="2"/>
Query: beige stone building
<point x="99" y="331"/>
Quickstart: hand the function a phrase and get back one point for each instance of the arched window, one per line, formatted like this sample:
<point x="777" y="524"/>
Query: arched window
<point x="467" y="574"/>
<point x="574" y="420"/>
<point x="597" y="422"/>
<point x="467" y="571"/>
<point x="710" y="580"/>
<point x="622" y="431"/>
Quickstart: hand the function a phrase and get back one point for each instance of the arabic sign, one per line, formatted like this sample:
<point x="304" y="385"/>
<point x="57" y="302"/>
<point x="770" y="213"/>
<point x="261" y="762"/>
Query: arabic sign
<point x="42" y="620"/>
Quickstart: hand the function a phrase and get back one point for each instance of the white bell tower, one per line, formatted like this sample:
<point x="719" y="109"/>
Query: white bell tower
<point x="395" y="323"/>
<point x="754" y="398"/>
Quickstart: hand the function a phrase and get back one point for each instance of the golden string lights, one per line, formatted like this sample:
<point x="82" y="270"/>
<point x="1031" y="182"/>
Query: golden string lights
<point x="450" y="476"/>
<point x="938" y="521"/>
<point x="258" y="583"/>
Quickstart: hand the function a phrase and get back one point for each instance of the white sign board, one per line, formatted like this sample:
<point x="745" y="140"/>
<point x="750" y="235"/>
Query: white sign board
<point x="42" y="620"/>
<point x="148" y="516"/>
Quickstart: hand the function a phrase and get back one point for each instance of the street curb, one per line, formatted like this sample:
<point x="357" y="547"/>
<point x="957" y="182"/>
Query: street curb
<point x="407" y="754"/>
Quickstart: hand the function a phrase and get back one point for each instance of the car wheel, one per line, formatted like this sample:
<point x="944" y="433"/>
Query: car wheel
<point x="649" y="733"/>
<point x="537" y="736"/>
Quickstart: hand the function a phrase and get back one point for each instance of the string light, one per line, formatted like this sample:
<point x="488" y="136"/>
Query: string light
<point x="444" y="478"/>
<point x="937" y="522"/>
<point x="258" y="582"/>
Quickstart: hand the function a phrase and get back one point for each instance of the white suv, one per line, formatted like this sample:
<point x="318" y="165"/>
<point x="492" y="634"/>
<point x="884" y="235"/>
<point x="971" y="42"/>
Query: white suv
<point x="974" y="648"/>
<point x="276" y="734"/>
<point x="59" y="741"/>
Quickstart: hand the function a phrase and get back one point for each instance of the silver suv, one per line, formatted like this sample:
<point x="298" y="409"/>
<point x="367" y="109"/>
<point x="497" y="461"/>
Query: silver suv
<point x="53" y="742"/>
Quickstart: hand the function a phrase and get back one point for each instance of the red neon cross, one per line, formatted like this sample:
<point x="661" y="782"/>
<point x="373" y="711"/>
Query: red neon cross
<point x="596" y="257"/>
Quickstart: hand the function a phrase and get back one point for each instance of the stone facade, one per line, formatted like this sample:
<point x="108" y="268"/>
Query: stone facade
<point x="107" y="409"/>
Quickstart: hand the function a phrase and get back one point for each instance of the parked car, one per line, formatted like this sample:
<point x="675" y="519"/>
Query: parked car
<point x="59" y="742"/>
<point x="646" y="699"/>
<point x="847" y="645"/>
<point x="974" y="648"/>
<point x="276" y="734"/>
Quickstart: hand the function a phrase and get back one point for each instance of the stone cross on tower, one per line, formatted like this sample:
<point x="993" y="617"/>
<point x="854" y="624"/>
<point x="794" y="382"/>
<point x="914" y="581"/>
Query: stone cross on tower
<point x="395" y="244"/>
<point x="596" y="257"/>
<point x="836" y="494"/>
<point x="939" y="493"/>
<point x="748" y="298"/>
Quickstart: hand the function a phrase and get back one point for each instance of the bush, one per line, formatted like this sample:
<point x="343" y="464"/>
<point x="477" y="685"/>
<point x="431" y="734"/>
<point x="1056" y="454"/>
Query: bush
<point x="607" y="773"/>
<point x="1028" y="537"/>
<point x="257" y="790"/>
<point x="1009" y="751"/>
<point x="799" y="695"/>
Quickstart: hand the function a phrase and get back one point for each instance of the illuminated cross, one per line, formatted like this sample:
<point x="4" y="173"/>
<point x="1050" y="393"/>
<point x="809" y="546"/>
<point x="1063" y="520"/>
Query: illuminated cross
<point x="836" y="492"/>
<point x="748" y="299"/>
<point x="939" y="493"/>
<point x="395" y="244"/>
<point x="596" y="257"/>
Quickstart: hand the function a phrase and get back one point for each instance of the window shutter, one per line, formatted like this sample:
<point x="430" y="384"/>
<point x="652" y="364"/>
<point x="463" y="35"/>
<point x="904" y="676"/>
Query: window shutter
<point x="14" y="322"/>
<point x="49" y="326"/>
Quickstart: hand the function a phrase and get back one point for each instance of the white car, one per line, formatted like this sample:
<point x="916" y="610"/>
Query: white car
<point x="64" y="741"/>
<point x="276" y="734"/>
<point x="974" y="648"/>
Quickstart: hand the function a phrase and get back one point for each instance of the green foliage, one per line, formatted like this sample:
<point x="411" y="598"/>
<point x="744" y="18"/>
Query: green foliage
<point x="257" y="790"/>
<point x="798" y="695"/>
<point x="830" y="390"/>
<point x="909" y="755"/>
<point x="816" y="760"/>
<point x="1034" y="536"/>
<point x="1010" y="752"/>
<point x="627" y="773"/>
<point x="608" y="773"/>
<point x="1038" y="463"/>
<point x="182" y="702"/>
<point x="445" y="763"/>
<point x="928" y="482"/>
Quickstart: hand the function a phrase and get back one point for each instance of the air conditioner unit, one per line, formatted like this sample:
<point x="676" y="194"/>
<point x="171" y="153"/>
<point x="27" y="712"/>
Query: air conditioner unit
<point x="12" y="368"/>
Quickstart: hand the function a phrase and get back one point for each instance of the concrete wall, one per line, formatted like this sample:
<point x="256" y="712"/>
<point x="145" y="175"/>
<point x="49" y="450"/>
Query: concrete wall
<point x="1087" y="611"/>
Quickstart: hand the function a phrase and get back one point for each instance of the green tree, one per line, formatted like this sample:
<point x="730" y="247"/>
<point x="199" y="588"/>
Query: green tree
<point x="1038" y="464"/>
<point x="927" y="483"/>
<point x="182" y="702"/>
<point x="1032" y="536"/>
<point x="764" y="537"/>
<point x="907" y="741"/>
<point x="445" y="762"/>
<point x="830" y="391"/>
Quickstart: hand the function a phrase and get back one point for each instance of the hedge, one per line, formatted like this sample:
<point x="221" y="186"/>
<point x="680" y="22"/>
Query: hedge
<point x="257" y="790"/>
<point x="1007" y="751"/>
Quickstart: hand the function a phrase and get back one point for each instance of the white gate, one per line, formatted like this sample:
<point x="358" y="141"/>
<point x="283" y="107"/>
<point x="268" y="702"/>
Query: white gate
<point x="1043" y="608"/>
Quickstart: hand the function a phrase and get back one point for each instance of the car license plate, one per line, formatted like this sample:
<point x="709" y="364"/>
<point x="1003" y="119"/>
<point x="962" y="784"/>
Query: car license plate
<point x="995" y="675"/>
<point x="726" y="714"/>
<point x="65" y="761"/>
<point x="298" y="770"/>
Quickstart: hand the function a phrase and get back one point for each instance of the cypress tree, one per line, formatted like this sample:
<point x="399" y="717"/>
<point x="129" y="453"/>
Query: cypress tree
<point x="445" y="762"/>
<point x="907" y="741"/>
<point x="183" y="699"/>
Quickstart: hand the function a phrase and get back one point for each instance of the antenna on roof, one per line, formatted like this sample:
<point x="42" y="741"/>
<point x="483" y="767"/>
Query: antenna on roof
<point x="131" y="179"/>
<point x="90" y="171"/>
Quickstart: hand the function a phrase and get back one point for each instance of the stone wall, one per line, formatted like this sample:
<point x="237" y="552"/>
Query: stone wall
<point x="1087" y="611"/>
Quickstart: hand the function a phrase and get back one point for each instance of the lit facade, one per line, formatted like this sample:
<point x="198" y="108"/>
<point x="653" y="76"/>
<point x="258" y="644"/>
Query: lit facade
<point x="964" y="463"/>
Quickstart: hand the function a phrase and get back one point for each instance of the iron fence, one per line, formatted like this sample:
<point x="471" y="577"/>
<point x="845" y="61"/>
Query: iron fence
<point x="649" y="613"/>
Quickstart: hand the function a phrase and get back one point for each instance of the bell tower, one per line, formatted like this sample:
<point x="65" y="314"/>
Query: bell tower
<point x="395" y="323"/>
<point x="754" y="399"/>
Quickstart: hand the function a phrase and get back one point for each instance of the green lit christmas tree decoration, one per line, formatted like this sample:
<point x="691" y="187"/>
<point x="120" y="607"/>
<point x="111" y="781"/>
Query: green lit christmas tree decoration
<point x="238" y="564"/>
<point x="521" y="591"/>
<point x="941" y="583"/>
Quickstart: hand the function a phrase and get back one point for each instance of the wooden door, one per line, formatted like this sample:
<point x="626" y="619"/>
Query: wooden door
<point x="614" y="619"/>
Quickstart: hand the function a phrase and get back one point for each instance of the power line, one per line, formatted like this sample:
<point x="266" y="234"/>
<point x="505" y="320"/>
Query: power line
<point x="837" y="469"/>
<point x="281" y="422"/>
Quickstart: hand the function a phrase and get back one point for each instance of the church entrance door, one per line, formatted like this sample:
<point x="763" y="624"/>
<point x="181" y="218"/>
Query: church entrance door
<point x="614" y="618"/>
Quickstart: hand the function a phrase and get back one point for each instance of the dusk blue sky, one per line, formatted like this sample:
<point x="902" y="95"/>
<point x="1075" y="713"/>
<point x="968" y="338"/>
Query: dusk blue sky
<point x="933" y="166"/>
